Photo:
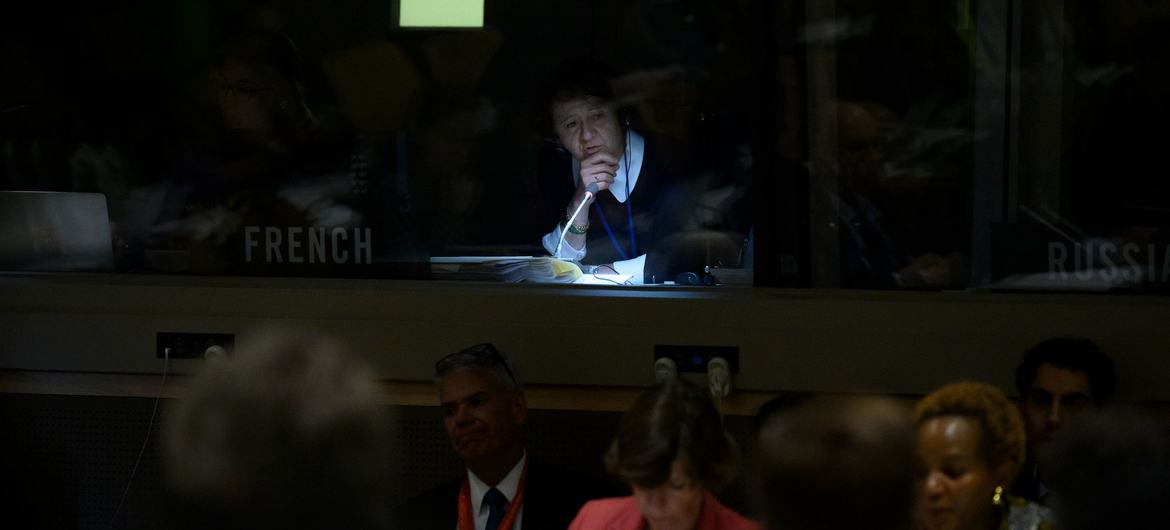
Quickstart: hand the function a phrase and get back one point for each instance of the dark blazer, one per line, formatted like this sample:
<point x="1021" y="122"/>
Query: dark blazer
<point x="1028" y="485"/>
<point x="660" y="204"/>
<point x="552" y="497"/>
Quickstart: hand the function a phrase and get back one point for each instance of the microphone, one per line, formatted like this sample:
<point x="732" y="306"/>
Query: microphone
<point x="590" y="192"/>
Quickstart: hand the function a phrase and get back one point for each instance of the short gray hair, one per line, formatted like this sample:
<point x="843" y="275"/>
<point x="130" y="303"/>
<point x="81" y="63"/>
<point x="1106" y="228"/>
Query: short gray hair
<point x="484" y="358"/>
<point x="291" y="423"/>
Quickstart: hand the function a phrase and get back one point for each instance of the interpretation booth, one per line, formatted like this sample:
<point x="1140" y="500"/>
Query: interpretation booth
<point x="833" y="197"/>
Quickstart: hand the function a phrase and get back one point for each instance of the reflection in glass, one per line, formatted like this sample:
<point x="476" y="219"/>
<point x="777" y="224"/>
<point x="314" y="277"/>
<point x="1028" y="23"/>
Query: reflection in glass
<point x="895" y="145"/>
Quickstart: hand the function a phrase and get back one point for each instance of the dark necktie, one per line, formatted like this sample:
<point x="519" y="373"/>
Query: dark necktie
<point x="496" y="503"/>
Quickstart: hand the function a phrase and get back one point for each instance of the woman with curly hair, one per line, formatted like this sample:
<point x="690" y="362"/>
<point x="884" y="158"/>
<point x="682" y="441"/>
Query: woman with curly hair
<point x="971" y="444"/>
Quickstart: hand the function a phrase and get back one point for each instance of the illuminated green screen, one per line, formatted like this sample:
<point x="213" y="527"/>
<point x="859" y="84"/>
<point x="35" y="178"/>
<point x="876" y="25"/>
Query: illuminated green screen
<point x="441" y="13"/>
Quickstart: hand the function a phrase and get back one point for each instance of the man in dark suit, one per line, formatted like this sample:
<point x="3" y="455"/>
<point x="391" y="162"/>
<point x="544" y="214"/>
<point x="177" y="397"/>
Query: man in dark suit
<point x="484" y="410"/>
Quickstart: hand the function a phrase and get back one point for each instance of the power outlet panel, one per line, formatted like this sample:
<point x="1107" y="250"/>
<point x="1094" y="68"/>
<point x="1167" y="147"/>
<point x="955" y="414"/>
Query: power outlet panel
<point x="191" y="345"/>
<point x="694" y="359"/>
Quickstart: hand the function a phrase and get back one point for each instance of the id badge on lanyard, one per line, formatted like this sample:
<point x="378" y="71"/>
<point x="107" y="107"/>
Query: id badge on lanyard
<point x="629" y="223"/>
<point x="467" y="519"/>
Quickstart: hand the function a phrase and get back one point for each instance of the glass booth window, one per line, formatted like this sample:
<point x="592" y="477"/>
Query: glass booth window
<point x="892" y="133"/>
<point x="1087" y="205"/>
<point x="968" y="144"/>
<point x="986" y="145"/>
<point x="328" y="139"/>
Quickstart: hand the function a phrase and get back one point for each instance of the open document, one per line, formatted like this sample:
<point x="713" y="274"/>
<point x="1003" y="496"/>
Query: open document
<point x="512" y="269"/>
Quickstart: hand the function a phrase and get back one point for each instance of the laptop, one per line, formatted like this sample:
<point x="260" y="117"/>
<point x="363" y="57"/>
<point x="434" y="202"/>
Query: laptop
<point x="54" y="231"/>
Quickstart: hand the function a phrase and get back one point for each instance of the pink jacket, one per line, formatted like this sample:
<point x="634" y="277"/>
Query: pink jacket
<point x="621" y="513"/>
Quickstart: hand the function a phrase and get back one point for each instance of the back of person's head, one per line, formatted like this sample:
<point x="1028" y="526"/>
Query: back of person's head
<point x="673" y="420"/>
<point x="485" y="359"/>
<point x="1110" y="470"/>
<point x="1075" y="354"/>
<point x="834" y="463"/>
<point x="778" y="405"/>
<point x="286" y="433"/>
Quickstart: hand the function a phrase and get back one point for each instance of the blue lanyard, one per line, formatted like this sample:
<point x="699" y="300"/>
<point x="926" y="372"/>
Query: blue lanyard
<point x="629" y="211"/>
<point x="629" y="222"/>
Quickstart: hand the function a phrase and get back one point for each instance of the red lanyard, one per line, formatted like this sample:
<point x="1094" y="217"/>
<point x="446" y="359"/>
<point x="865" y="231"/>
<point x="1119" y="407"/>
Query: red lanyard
<point x="467" y="519"/>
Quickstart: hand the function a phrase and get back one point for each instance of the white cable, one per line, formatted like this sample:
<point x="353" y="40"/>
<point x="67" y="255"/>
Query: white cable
<point x="565" y="229"/>
<point x="149" y="428"/>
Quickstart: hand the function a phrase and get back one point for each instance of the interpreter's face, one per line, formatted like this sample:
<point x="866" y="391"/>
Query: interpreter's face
<point x="958" y="484"/>
<point x="246" y="100"/>
<point x="588" y="125"/>
<point x="1056" y="396"/>
<point x="860" y="153"/>
<point x="482" y="420"/>
<point x="674" y="505"/>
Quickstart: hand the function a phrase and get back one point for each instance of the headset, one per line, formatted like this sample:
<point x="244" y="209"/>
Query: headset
<point x="625" y="114"/>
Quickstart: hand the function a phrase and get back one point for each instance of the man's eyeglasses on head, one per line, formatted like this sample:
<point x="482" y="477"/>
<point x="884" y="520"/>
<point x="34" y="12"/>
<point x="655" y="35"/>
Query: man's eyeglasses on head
<point x="484" y="350"/>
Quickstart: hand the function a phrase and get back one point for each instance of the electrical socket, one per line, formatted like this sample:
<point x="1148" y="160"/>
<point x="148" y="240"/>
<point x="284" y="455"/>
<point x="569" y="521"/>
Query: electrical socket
<point x="191" y="345"/>
<point x="694" y="359"/>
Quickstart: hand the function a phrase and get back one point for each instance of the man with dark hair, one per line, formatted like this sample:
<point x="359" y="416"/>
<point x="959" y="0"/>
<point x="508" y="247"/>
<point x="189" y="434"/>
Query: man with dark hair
<point x="1058" y="379"/>
<point x="629" y="225"/>
<point x="484" y="410"/>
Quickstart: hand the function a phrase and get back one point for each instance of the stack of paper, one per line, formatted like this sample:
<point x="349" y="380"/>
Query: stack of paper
<point x="505" y="269"/>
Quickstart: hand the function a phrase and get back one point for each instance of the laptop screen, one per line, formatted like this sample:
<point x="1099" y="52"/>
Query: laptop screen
<point x="54" y="231"/>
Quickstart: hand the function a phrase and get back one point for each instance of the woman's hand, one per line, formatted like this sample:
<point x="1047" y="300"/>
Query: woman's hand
<point x="599" y="168"/>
